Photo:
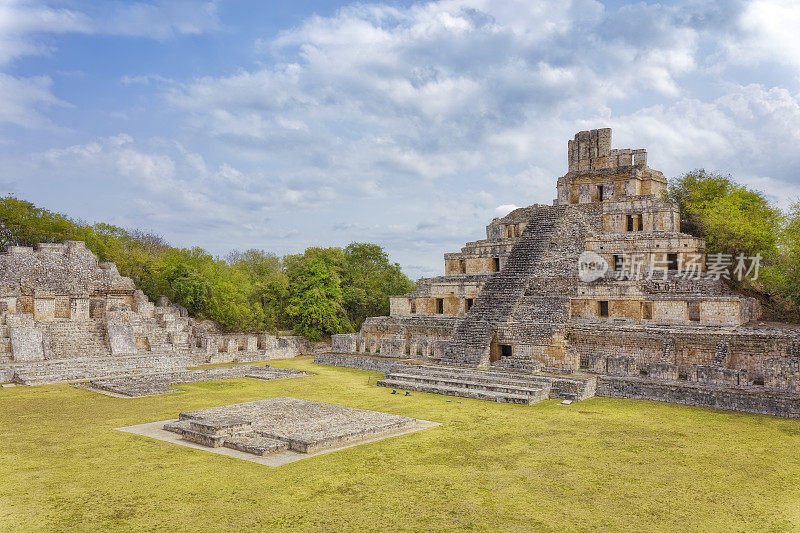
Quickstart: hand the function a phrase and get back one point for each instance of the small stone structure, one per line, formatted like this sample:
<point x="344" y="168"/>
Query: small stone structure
<point x="159" y="383"/>
<point x="268" y="426"/>
<point x="515" y="301"/>
<point x="64" y="316"/>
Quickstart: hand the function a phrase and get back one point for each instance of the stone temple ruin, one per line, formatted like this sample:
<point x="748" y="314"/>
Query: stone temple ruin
<point x="65" y="317"/>
<point x="516" y="304"/>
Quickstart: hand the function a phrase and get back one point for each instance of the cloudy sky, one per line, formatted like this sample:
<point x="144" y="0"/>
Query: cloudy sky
<point x="283" y="124"/>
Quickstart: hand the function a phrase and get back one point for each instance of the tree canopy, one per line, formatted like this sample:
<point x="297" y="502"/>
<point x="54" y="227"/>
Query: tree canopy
<point x="734" y="219"/>
<point x="317" y="293"/>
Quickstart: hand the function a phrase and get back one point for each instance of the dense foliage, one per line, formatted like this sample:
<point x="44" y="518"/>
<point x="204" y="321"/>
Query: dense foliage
<point x="736" y="220"/>
<point x="317" y="293"/>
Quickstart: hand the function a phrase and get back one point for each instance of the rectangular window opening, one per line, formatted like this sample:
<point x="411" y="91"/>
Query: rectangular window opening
<point x="635" y="223"/>
<point x="413" y="305"/>
<point x="440" y="306"/>
<point x="604" y="308"/>
<point x="468" y="304"/>
<point x="506" y="350"/>
<point x="600" y="192"/>
<point x="618" y="263"/>
<point x="496" y="261"/>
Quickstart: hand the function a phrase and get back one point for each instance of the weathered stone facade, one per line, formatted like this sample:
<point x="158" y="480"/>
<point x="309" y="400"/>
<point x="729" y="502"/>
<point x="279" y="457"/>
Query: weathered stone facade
<point x="64" y="316"/>
<point x="515" y="300"/>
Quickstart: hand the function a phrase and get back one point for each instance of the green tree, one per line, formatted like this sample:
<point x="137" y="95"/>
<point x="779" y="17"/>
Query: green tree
<point x="319" y="292"/>
<point x="268" y="284"/>
<point x="315" y="294"/>
<point x="730" y="217"/>
<point x="187" y="287"/>
<point x="368" y="281"/>
<point x="785" y="275"/>
<point x="24" y="224"/>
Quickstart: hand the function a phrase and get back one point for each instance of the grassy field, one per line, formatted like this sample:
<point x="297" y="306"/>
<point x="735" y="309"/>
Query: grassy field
<point x="600" y="464"/>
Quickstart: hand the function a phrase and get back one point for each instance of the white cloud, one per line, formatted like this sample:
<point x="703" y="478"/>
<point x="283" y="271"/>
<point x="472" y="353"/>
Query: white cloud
<point x="747" y="132"/>
<point x="503" y="210"/>
<point x="26" y="27"/>
<point x="414" y="126"/>
<point x="21" y="20"/>
<point x="769" y="31"/>
<point x="23" y="98"/>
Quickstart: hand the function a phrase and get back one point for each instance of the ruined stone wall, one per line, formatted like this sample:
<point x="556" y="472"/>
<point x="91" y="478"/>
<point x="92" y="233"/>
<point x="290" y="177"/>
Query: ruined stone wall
<point x="742" y="357"/>
<point x="749" y="401"/>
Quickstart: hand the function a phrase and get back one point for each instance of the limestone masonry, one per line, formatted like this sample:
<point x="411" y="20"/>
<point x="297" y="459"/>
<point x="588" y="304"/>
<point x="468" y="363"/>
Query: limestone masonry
<point x="66" y="317"/>
<point x="277" y="424"/>
<point x="515" y="301"/>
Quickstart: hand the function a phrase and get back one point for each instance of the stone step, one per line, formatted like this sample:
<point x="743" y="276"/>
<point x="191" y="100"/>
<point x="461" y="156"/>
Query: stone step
<point x="463" y="392"/>
<point x="255" y="443"/>
<point x="475" y="374"/>
<point x="479" y="384"/>
<point x="566" y="387"/>
<point x="518" y="364"/>
<point x="65" y="370"/>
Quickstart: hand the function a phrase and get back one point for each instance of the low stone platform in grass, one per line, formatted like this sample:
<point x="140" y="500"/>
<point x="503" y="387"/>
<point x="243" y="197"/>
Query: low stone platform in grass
<point x="278" y="430"/>
<point x="494" y="385"/>
<point x="159" y="383"/>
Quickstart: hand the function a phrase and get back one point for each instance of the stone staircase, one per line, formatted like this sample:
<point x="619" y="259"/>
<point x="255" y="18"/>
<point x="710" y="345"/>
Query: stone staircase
<point x="67" y="339"/>
<point x="466" y="383"/>
<point x="492" y="385"/>
<point x="472" y="338"/>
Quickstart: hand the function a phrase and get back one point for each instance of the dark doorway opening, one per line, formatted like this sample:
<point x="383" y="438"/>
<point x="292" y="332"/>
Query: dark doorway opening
<point x="672" y="261"/>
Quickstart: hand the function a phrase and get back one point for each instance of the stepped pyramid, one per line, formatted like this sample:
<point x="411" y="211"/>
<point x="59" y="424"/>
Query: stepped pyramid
<point x="602" y="281"/>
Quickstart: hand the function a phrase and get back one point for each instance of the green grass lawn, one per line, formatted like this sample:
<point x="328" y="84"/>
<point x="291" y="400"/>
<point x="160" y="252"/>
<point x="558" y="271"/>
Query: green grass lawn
<point x="599" y="464"/>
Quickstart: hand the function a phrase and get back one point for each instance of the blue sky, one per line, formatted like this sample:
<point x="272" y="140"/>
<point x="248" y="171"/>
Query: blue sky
<point x="282" y="125"/>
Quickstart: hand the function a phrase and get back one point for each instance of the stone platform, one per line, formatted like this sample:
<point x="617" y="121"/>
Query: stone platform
<point x="278" y="430"/>
<point x="159" y="383"/>
<point x="493" y="385"/>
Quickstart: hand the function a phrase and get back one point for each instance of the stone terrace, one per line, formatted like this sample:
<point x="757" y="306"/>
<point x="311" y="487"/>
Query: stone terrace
<point x="152" y="384"/>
